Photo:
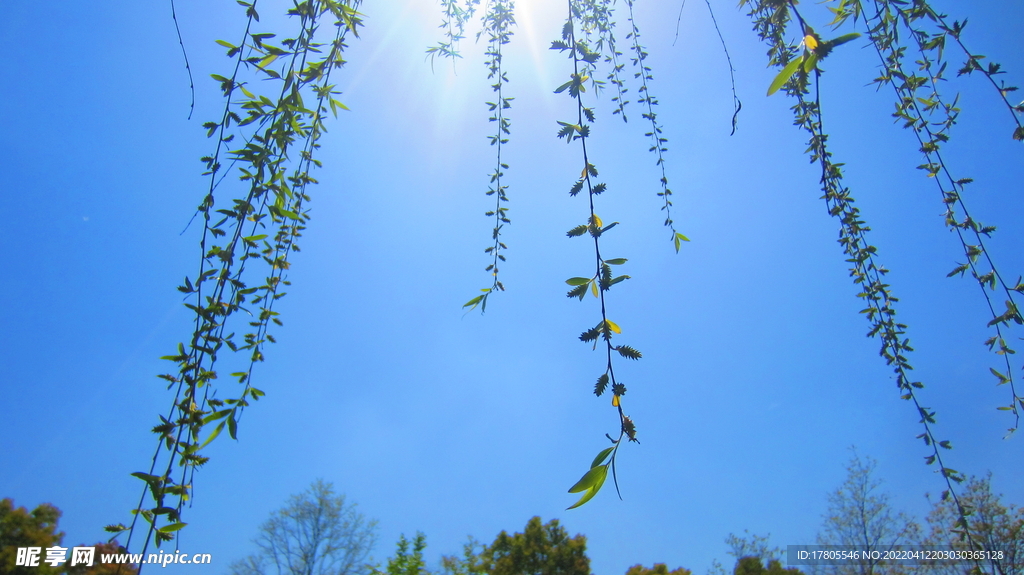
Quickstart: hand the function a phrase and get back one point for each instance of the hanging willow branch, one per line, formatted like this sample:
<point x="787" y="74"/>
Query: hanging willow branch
<point x="453" y="22"/>
<point x="798" y="69"/>
<point x="658" y="140"/>
<point x="989" y="71"/>
<point x="583" y="59"/>
<point x="260" y="226"/>
<point x="498" y="20"/>
<point x="920" y="105"/>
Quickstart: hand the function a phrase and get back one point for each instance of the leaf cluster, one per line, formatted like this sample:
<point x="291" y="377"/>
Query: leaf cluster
<point x="271" y="138"/>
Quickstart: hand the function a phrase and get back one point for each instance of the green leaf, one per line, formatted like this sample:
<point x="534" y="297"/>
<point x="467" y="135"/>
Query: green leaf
<point x="586" y="497"/>
<point x="679" y="238"/>
<point x="213" y="435"/>
<point x="578" y="291"/>
<point x="267" y="60"/>
<point x="577" y="281"/>
<point x="628" y="352"/>
<point x="233" y="426"/>
<point x="785" y="75"/>
<point x="810" y="62"/>
<point x="843" y="39"/>
<point x="172" y="527"/>
<point x="577" y="231"/>
<point x="602" y="456"/>
<point x="960" y="269"/>
<point x="216" y="415"/>
<point x="254" y="238"/>
<point x="147" y="477"/>
<point x="616" y="261"/>
<point x="1002" y="378"/>
<point x="595" y="476"/>
<point x="600" y="473"/>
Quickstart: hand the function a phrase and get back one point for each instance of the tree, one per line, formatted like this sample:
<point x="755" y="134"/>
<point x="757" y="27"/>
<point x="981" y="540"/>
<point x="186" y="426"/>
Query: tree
<point x="317" y="533"/>
<point x="404" y="562"/>
<point x="752" y="565"/>
<point x="658" y="569"/>
<point x="752" y="545"/>
<point x="860" y="516"/>
<point x="753" y="557"/>
<point x="541" y="549"/>
<point x="20" y="528"/>
<point x="470" y="563"/>
<point x="996" y="527"/>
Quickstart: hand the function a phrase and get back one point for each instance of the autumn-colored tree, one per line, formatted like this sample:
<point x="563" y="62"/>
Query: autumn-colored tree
<point x="21" y="528"/>
<point x="658" y="569"/>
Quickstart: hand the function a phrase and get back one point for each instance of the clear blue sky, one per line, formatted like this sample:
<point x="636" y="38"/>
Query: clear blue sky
<point x="756" y="375"/>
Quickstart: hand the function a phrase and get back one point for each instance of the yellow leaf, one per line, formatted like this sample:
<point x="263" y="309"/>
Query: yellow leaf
<point x="593" y="288"/>
<point x="597" y="221"/>
<point x="612" y="326"/>
<point x="583" y="174"/>
<point x="615" y="401"/>
<point x="811" y="42"/>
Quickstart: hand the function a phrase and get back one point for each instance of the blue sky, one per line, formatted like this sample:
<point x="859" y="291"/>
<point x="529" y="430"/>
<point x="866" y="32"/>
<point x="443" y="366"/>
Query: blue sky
<point x="756" y="376"/>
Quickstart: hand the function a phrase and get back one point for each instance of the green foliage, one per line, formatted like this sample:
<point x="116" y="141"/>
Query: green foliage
<point x="590" y="483"/>
<point x="923" y="109"/>
<point x="658" y="569"/>
<point x="317" y="533"/>
<point x="272" y="137"/>
<point x="456" y="14"/>
<point x="471" y="562"/>
<point x="498" y="22"/>
<point x="770" y="21"/>
<point x="814" y="52"/>
<point x="592" y="19"/>
<point x="406" y="562"/>
<point x="259" y="227"/>
<point x="656" y="134"/>
<point x="20" y="527"/>
<point x="540" y="548"/>
<point x="755" y="566"/>
<point x="752" y="545"/>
